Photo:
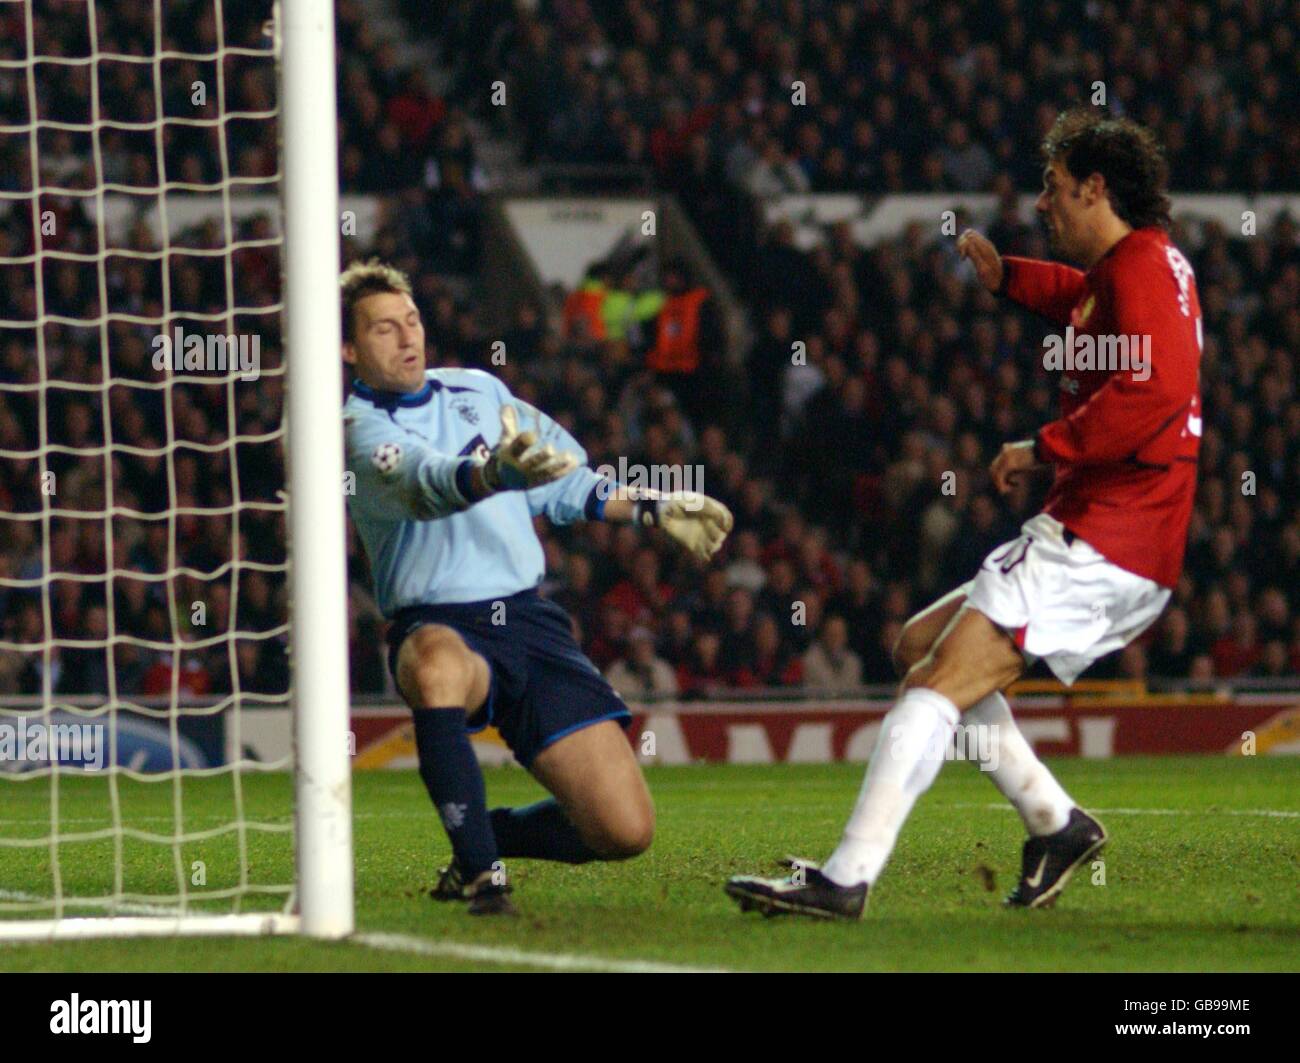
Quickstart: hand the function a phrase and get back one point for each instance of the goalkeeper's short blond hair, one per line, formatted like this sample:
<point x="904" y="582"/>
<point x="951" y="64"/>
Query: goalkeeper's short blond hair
<point x="362" y="279"/>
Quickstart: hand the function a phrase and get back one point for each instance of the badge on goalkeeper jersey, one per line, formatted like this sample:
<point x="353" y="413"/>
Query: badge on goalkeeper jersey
<point x="387" y="458"/>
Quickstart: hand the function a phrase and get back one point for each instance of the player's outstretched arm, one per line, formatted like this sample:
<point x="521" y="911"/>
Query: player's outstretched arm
<point x="699" y="523"/>
<point x="396" y="476"/>
<point x="399" y="478"/>
<point x="1049" y="289"/>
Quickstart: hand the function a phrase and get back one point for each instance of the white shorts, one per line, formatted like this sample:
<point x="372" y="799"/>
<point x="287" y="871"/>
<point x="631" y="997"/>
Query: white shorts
<point x="1063" y="602"/>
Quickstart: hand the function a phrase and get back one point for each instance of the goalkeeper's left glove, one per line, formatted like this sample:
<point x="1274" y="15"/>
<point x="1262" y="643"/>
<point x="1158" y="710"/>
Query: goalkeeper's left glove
<point x="520" y="461"/>
<point x="696" y="521"/>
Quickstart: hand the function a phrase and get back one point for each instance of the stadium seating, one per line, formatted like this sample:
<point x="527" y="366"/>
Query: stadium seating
<point x="911" y="371"/>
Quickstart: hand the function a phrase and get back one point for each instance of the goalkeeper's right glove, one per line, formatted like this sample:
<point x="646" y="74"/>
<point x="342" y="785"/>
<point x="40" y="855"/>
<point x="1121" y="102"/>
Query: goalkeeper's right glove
<point x="519" y="462"/>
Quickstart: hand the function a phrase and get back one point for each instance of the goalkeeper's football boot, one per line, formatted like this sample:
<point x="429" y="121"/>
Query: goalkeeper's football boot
<point x="807" y="891"/>
<point x="451" y="884"/>
<point x="487" y="895"/>
<point x="1049" y="860"/>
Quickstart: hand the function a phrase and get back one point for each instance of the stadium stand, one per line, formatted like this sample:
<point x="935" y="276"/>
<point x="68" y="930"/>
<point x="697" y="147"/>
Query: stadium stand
<point x="832" y="468"/>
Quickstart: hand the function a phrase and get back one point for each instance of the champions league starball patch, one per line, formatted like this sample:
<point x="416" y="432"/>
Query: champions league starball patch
<point x="387" y="458"/>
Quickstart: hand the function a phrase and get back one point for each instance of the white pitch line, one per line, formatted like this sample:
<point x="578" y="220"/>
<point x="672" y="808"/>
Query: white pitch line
<point x="551" y="961"/>
<point x="1276" y="813"/>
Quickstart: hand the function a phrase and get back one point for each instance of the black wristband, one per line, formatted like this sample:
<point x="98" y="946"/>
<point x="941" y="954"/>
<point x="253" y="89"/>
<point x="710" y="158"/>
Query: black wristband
<point x="465" y="481"/>
<point x="646" y="512"/>
<point x="594" y="509"/>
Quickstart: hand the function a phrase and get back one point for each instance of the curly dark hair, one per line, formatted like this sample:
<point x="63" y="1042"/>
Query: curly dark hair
<point x="361" y="279"/>
<point x="1126" y="154"/>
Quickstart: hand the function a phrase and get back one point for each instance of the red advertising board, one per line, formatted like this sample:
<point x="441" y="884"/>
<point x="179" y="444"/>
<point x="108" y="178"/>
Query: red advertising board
<point x="814" y="731"/>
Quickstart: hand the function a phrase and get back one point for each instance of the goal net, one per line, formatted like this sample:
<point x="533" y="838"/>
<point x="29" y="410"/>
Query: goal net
<point x="171" y="511"/>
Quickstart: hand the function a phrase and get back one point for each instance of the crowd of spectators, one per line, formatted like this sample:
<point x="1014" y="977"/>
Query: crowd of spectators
<point x="761" y="98"/>
<point x="857" y="476"/>
<point x="896" y="95"/>
<point x="395" y="135"/>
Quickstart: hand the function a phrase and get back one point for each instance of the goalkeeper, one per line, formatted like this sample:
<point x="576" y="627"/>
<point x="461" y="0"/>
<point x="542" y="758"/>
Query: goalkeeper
<point x="450" y="470"/>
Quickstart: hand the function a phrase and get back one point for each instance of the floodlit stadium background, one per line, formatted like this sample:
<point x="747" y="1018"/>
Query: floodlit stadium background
<point x="797" y="159"/>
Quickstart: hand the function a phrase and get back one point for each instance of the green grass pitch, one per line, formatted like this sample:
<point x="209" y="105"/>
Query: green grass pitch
<point x="1202" y="873"/>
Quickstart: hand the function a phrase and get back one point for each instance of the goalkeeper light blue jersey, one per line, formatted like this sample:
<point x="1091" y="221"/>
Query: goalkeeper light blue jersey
<point x="410" y="456"/>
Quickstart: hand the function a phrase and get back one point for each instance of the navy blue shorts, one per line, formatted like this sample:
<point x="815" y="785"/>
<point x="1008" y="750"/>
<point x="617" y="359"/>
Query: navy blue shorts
<point x="543" y="686"/>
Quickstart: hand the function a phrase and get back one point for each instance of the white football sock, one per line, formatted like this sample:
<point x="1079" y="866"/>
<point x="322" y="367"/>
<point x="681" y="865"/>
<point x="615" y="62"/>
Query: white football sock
<point x="1015" y="770"/>
<point x="910" y="750"/>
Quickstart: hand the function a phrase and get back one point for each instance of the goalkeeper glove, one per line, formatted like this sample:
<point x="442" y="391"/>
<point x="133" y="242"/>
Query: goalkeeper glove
<point x="696" y="521"/>
<point x="519" y="461"/>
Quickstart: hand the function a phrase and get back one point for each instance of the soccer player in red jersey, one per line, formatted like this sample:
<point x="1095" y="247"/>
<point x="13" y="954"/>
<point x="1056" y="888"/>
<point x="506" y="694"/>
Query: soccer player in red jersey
<point x="1096" y="567"/>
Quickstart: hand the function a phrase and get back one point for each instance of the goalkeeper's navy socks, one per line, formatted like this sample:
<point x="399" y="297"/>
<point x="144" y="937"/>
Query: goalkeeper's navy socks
<point x="540" y="832"/>
<point x="451" y="774"/>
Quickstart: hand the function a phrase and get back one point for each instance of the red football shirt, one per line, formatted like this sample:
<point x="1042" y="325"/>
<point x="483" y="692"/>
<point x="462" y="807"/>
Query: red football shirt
<point x="1126" y="443"/>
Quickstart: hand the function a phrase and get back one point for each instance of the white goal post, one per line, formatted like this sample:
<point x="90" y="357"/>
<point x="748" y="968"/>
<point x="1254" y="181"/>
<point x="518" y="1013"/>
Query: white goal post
<point x="73" y="903"/>
<point x="318" y="573"/>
